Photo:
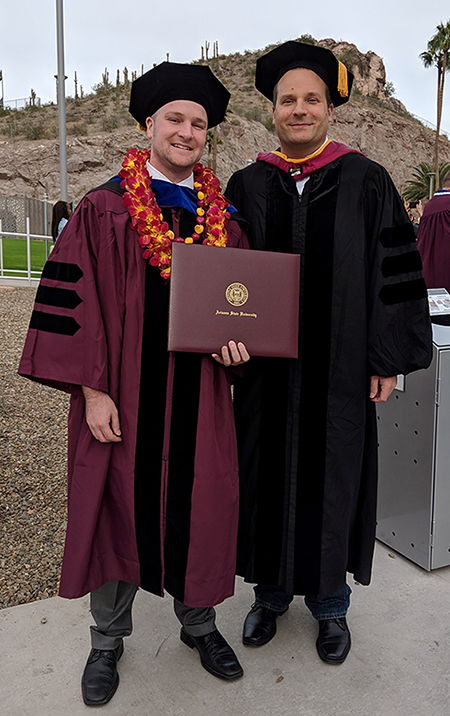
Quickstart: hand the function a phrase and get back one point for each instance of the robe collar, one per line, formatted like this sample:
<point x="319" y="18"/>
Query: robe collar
<point x="168" y="194"/>
<point x="156" y="174"/>
<point x="303" y="168"/>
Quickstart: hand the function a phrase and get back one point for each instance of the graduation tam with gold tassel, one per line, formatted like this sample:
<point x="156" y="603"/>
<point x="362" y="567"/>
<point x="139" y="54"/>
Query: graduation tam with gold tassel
<point x="271" y="67"/>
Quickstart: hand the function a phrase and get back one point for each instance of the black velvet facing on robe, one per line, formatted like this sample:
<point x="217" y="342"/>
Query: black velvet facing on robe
<point x="61" y="297"/>
<point x="52" y="323"/>
<point x="150" y="433"/>
<point x="270" y="515"/>
<point x="150" y="436"/>
<point x="60" y="271"/>
<point x="183" y="433"/>
<point x="316" y="294"/>
<point x="396" y="236"/>
<point x="404" y="263"/>
<point x="405" y="291"/>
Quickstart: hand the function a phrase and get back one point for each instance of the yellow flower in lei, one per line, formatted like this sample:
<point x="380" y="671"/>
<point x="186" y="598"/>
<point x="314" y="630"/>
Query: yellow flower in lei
<point x="154" y="234"/>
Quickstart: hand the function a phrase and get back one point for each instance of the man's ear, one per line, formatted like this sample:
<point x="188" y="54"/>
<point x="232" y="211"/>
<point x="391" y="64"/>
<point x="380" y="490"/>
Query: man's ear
<point x="149" y="125"/>
<point x="330" y="113"/>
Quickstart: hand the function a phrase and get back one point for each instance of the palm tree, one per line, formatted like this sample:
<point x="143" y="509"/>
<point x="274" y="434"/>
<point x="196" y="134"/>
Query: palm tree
<point x="419" y="187"/>
<point x="437" y="54"/>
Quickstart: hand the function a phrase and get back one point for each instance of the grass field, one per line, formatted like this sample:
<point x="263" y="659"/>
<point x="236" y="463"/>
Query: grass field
<point x="15" y="254"/>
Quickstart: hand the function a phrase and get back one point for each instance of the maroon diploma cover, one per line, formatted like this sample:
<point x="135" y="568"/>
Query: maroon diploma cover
<point x="218" y="295"/>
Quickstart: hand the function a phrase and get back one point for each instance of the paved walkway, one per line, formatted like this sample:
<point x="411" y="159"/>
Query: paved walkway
<point x="399" y="664"/>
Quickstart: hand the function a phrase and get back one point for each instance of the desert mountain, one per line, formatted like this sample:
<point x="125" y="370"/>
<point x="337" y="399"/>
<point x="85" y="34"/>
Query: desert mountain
<point x="100" y="130"/>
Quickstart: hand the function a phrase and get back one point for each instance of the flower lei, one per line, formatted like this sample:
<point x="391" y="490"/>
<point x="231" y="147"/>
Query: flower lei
<point x="154" y="234"/>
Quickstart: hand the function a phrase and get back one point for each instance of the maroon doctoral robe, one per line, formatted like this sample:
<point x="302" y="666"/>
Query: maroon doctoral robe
<point x="433" y="240"/>
<point x="159" y="509"/>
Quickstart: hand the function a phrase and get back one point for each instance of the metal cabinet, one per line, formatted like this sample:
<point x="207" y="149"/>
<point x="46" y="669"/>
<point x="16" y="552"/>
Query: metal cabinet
<point x="414" y="462"/>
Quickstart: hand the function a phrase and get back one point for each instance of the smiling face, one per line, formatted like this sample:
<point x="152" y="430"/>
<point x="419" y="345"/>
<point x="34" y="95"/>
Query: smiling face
<point x="301" y="114"/>
<point x="178" y="133"/>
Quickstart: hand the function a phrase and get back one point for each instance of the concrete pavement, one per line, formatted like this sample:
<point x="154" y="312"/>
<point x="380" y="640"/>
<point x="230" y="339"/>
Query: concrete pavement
<point x="399" y="663"/>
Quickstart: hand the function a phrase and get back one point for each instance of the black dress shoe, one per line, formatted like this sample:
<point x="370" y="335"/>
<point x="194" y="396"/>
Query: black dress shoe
<point x="260" y="625"/>
<point x="333" y="642"/>
<point x="100" y="678"/>
<point x="216" y="654"/>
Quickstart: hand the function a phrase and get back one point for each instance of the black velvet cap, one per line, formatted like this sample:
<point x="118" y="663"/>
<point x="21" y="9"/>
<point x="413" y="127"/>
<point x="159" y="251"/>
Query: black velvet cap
<point x="171" y="81"/>
<point x="270" y="69"/>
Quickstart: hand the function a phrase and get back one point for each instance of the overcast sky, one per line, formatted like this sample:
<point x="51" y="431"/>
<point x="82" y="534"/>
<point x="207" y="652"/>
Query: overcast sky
<point x="113" y="34"/>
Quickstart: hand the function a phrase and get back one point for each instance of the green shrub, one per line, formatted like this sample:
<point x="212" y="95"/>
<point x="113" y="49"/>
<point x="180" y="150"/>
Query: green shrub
<point x="78" y="130"/>
<point x="307" y="39"/>
<point x="389" y="89"/>
<point x="34" y="130"/>
<point x="52" y="131"/>
<point x="109" y="122"/>
<point x="254" y="114"/>
<point x="102" y="90"/>
<point x="347" y="58"/>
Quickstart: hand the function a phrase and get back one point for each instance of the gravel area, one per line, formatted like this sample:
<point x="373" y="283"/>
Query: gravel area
<point x="33" y="427"/>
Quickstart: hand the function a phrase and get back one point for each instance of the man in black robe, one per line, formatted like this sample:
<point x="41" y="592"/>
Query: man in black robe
<point x="306" y="427"/>
<point x="153" y="483"/>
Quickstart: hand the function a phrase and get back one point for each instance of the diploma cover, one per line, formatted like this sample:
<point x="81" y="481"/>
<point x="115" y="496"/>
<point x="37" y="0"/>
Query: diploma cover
<point x="222" y="294"/>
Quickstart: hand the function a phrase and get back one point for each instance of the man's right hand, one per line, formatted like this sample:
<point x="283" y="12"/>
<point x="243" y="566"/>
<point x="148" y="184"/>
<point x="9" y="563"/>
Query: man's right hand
<point x="101" y="416"/>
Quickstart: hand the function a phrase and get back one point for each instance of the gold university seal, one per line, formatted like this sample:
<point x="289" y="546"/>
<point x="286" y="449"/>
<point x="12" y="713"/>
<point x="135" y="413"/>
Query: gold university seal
<point x="236" y="294"/>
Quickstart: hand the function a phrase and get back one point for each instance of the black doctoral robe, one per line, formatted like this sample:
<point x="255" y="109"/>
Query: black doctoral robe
<point x="306" y="427"/>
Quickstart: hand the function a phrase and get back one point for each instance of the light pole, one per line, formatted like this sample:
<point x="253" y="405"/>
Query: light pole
<point x="61" y="100"/>
<point x="431" y="175"/>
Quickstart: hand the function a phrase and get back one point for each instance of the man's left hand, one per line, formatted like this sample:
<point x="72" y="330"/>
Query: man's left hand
<point x="232" y="354"/>
<point x="381" y="388"/>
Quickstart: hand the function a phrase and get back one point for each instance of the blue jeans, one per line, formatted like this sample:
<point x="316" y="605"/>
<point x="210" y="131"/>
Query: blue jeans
<point x="330" y="606"/>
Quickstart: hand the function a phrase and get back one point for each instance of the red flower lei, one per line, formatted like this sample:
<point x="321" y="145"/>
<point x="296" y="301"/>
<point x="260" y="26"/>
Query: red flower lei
<point x="154" y="234"/>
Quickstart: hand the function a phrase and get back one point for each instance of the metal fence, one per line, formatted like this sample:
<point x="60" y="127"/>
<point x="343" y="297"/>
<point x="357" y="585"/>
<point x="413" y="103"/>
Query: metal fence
<point x="21" y="102"/>
<point x="14" y="211"/>
<point x="21" y="277"/>
<point x="430" y="125"/>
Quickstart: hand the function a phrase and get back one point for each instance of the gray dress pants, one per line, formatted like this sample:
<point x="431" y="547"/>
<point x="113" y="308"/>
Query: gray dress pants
<point x="111" y="607"/>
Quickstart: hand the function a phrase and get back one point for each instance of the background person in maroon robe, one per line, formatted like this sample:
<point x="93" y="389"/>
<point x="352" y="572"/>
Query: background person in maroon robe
<point x="153" y="479"/>
<point x="433" y="238"/>
<point x="306" y="427"/>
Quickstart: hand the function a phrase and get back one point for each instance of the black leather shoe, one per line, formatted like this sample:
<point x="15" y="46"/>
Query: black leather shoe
<point x="216" y="654"/>
<point x="260" y="625"/>
<point x="100" y="678"/>
<point x="333" y="642"/>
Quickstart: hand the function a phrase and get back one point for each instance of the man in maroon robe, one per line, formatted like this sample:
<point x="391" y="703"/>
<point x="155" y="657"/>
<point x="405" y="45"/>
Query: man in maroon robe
<point x="152" y="462"/>
<point x="433" y="238"/>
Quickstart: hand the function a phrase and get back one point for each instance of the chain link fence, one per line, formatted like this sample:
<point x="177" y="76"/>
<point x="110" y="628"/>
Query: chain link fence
<point x="14" y="211"/>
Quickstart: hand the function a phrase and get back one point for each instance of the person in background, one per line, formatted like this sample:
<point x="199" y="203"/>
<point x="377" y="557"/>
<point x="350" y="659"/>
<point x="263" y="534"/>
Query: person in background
<point x="433" y="238"/>
<point x="60" y="217"/>
<point x="414" y="209"/>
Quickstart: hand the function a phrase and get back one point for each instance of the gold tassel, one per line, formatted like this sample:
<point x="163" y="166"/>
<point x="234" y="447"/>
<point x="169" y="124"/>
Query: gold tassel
<point x="140" y="127"/>
<point x="342" y="80"/>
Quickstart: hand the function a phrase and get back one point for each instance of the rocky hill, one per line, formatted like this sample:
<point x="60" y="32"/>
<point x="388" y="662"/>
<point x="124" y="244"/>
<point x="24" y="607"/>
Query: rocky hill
<point x="100" y="131"/>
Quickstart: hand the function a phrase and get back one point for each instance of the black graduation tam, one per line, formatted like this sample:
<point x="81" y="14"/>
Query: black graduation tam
<point x="171" y="81"/>
<point x="270" y="69"/>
